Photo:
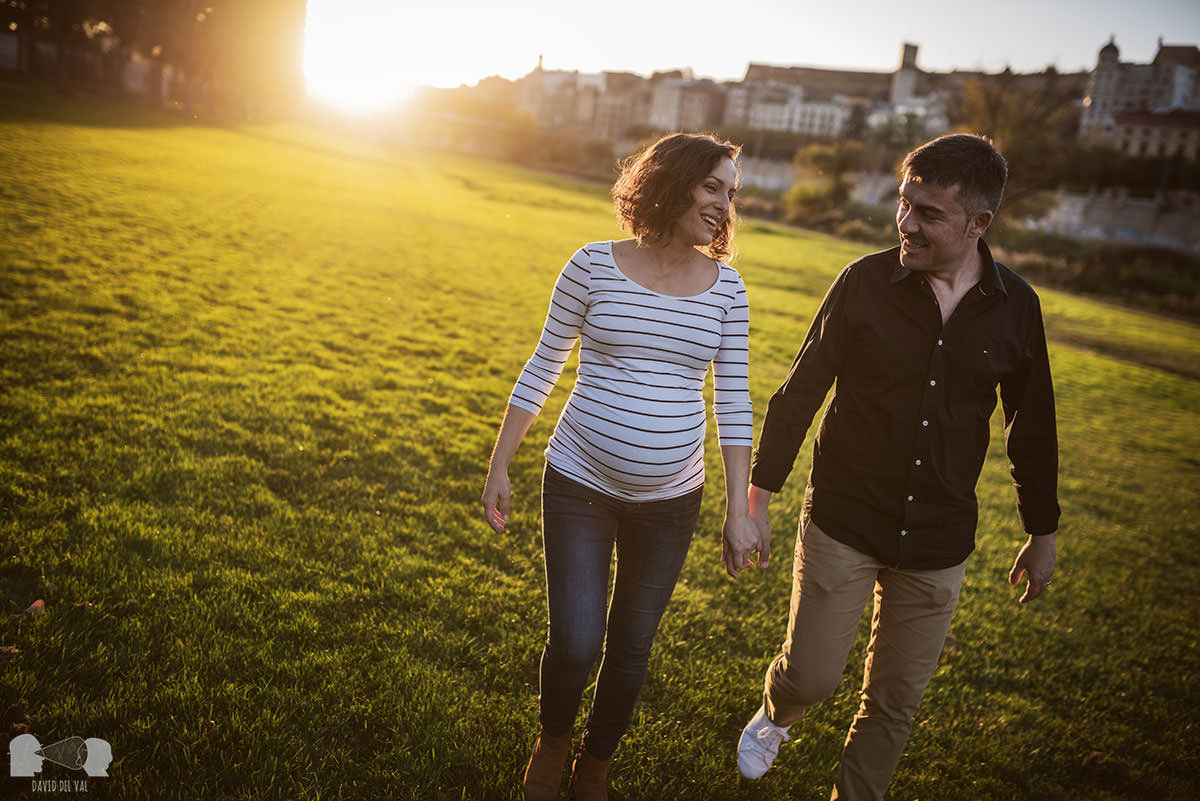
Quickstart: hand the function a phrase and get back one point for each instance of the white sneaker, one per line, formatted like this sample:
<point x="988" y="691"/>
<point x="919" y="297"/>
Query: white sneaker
<point x="759" y="745"/>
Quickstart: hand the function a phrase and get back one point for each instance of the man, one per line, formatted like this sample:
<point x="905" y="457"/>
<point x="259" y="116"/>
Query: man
<point x="917" y="339"/>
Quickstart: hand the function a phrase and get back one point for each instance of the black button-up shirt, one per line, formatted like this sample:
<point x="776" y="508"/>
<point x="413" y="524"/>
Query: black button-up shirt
<point x="900" y="447"/>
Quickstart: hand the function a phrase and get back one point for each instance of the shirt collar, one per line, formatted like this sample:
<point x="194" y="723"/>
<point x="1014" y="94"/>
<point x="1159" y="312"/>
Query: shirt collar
<point x="991" y="282"/>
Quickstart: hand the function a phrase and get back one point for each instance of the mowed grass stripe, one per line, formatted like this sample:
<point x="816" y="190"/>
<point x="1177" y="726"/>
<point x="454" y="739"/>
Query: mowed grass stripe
<point x="249" y="380"/>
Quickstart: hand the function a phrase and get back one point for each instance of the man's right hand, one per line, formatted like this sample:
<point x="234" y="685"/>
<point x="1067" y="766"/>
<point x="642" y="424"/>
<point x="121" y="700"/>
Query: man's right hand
<point x="1036" y="563"/>
<point x="760" y="500"/>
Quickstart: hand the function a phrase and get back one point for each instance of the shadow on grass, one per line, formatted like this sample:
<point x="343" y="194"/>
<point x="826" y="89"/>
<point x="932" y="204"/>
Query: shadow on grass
<point x="1130" y="353"/>
<point x="31" y="100"/>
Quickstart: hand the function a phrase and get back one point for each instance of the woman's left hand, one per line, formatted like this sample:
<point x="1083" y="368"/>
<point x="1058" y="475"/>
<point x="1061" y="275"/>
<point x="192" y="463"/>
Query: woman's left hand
<point x="741" y="539"/>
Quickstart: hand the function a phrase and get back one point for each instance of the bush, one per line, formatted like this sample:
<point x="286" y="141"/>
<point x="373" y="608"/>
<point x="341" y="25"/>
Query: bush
<point x="807" y="198"/>
<point x="1153" y="278"/>
<point x="812" y="206"/>
<point x="863" y="231"/>
<point x="758" y="206"/>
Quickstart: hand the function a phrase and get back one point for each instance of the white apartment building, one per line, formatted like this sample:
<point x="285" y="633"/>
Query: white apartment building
<point x="824" y="118"/>
<point x="782" y="107"/>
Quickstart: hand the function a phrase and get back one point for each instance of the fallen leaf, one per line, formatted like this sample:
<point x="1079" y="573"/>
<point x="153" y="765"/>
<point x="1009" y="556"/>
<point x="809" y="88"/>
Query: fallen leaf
<point x="17" y="719"/>
<point x="36" y="608"/>
<point x="8" y="653"/>
<point x="127" y="608"/>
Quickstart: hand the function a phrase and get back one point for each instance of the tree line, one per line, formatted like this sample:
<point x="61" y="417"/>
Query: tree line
<point x="232" y="55"/>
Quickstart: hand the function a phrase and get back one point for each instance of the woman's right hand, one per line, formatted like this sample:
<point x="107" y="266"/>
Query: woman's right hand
<point x="496" y="490"/>
<point x="496" y="494"/>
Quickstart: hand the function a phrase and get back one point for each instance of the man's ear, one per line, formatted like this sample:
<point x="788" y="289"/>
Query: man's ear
<point x="978" y="225"/>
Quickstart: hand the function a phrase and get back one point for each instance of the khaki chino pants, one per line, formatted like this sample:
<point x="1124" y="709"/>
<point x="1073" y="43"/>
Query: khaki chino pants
<point x="832" y="583"/>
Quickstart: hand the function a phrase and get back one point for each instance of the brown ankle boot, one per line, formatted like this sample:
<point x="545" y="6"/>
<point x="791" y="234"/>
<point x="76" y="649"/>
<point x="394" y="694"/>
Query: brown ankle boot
<point x="543" y="775"/>
<point x="589" y="778"/>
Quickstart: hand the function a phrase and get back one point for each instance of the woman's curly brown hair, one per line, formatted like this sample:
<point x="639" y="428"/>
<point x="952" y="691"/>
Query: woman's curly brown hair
<point x="655" y="188"/>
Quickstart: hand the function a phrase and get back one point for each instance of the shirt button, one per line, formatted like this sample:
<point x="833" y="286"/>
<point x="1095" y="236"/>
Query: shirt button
<point x="933" y="383"/>
<point x="925" y="423"/>
<point x="939" y="342"/>
<point x="918" y="463"/>
<point x="904" y="533"/>
<point x="910" y="497"/>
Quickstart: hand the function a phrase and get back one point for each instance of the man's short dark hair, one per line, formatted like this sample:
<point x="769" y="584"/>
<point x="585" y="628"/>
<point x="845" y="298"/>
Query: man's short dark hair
<point x="972" y="163"/>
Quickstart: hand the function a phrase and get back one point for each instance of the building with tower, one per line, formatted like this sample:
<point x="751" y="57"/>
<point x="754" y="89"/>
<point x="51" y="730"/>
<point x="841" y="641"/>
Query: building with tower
<point x="904" y="79"/>
<point x="1144" y="109"/>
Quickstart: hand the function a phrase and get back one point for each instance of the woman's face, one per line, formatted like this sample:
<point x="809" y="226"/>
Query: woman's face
<point x="711" y="199"/>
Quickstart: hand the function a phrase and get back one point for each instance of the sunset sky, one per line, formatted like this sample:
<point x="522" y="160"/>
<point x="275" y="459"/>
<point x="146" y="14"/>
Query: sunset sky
<point x="400" y="45"/>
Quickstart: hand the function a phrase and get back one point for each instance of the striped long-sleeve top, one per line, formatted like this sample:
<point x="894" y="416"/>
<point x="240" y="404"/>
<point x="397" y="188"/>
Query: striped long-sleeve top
<point x="634" y="424"/>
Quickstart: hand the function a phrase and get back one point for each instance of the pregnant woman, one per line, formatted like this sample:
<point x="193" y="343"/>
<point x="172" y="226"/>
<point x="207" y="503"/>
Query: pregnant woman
<point x="625" y="464"/>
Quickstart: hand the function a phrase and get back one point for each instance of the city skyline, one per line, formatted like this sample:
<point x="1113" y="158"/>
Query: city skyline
<point x="464" y="41"/>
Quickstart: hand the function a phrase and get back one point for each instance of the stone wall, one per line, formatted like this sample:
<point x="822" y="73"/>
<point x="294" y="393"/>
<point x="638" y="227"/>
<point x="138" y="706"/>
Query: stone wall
<point x="1171" y="220"/>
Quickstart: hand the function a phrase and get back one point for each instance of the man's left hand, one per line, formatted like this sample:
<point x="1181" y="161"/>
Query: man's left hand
<point x="1036" y="561"/>
<point x="741" y="539"/>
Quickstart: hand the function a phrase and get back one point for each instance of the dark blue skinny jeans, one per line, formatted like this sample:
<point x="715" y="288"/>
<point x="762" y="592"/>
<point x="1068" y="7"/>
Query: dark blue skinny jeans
<point x="580" y="526"/>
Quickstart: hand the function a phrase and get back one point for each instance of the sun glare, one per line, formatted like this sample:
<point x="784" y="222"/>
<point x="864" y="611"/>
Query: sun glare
<point x="349" y="59"/>
<point x="370" y="55"/>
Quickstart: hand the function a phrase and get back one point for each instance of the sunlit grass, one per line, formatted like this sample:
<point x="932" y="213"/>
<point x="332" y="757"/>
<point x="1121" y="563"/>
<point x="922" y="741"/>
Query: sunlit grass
<point x="249" y="380"/>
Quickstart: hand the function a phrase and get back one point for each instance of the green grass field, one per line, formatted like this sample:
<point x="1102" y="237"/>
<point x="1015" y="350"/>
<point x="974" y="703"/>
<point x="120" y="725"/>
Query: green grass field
<point x="249" y="382"/>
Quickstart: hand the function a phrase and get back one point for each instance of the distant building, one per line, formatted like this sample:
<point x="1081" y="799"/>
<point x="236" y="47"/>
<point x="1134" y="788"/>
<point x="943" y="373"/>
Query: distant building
<point x="822" y="118"/>
<point x="1163" y="135"/>
<point x="772" y="107"/>
<point x="824" y="83"/>
<point x="1122" y="97"/>
<point x="738" y="97"/>
<point x="802" y="100"/>
<point x="600" y="105"/>
<point x="624" y="104"/>
<point x="549" y="97"/>
<point x="680" y="104"/>
<point x="822" y="103"/>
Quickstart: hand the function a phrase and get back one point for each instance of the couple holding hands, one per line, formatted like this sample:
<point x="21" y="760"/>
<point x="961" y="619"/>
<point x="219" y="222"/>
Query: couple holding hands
<point x="914" y="340"/>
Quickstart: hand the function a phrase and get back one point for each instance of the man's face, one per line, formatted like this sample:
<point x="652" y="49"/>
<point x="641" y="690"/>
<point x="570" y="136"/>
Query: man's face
<point x="935" y="233"/>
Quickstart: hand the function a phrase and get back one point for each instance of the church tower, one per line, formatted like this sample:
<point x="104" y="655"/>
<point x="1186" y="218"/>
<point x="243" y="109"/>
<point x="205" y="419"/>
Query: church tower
<point x="904" y="79"/>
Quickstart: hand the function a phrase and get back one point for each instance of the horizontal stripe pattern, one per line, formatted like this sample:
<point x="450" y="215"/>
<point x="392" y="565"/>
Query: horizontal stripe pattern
<point x="635" y="422"/>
